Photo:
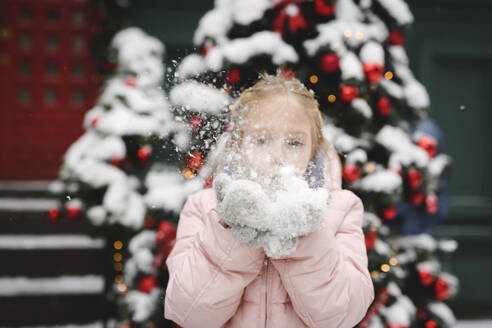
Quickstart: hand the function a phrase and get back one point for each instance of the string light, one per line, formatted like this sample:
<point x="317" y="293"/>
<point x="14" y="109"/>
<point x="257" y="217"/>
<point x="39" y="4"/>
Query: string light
<point x="388" y="75"/>
<point x="332" y="98"/>
<point x="117" y="257"/>
<point x="393" y="261"/>
<point x="188" y="173"/>
<point x="117" y="244"/>
<point x="359" y="35"/>
<point x="385" y="267"/>
<point x="118" y="266"/>
<point x="118" y="278"/>
<point x="122" y="288"/>
<point x="374" y="274"/>
<point x="347" y="33"/>
<point x="313" y="79"/>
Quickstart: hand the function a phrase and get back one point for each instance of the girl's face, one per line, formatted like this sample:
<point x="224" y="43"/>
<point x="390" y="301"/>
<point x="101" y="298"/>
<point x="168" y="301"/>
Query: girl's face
<point x="276" y="133"/>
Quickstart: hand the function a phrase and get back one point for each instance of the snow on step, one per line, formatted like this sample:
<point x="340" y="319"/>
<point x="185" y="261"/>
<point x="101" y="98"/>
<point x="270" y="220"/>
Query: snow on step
<point x="37" y="242"/>
<point x="88" y="284"/>
<point x="27" y="204"/>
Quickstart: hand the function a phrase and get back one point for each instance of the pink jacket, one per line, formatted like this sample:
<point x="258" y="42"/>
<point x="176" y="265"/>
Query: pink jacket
<point x="215" y="281"/>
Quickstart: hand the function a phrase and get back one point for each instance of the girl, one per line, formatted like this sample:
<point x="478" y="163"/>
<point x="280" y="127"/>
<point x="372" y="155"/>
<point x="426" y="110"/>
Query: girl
<point x="216" y="281"/>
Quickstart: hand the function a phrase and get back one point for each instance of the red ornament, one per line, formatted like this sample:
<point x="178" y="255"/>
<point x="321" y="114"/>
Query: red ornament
<point x="414" y="178"/>
<point x="131" y="81"/>
<point x="146" y="284"/>
<point x="324" y="9"/>
<point x="290" y="13"/>
<point x="389" y="212"/>
<point x="117" y="161"/>
<point x="206" y="48"/>
<point x="426" y="277"/>
<point x="288" y="73"/>
<point x="442" y="289"/>
<point x="431" y="324"/>
<point x="351" y="172"/>
<point x="144" y="153"/>
<point x="196" y="123"/>
<point x="94" y="121"/>
<point x="429" y="144"/>
<point x="233" y="76"/>
<point x="373" y="71"/>
<point x="348" y="93"/>
<point x="384" y="106"/>
<point x="370" y="239"/>
<point x="54" y="214"/>
<point x="195" y="161"/>
<point x="208" y="182"/>
<point x="329" y="63"/>
<point x="396" y="38"/>
<point x="73" y="212"/>
<point x="431" y="204"/>
<point x="165" y="231"/>
<point x="417" y="198"/>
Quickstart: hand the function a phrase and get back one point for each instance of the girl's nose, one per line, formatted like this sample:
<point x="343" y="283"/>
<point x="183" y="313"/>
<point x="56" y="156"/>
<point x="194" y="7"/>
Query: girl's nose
<point x="278" y="154"/>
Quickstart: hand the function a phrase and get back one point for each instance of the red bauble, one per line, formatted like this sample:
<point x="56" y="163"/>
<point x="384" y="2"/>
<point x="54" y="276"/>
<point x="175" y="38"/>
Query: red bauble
<point x="116" y="161"/>
<point x="431" y="204"/>
<point x="329" y="63"/>
<point x="431" y="324"/>
<point x="373" y="71"/>
<point x="195" y="161"/>
<point x="389" y="212"/>
<point x="417" y="198"/>
<point x="290" y="14"/>
<point x="351" y="172"/>
<point x="94" y="121"/>
<point x="426" y="277"/>
<point x="324" y="9"/>
<point x="146" y="284"/>
<point x="196" y="123"/>
<point x="73" y="212"/>
<point x="144" y="153"/>
<point x="370" y="239"/>
<point x="396" y="38"/>
<point x="288" y="73"/>
<point x="208" y="182"/>
<point x="131" y="81"/>
<point x="384" y="106"/>
<point x="429" y="144"/>
<point x="414" y="178"/>
<point x="206" y="48"/>
<point x="233" y="76"/>
<point x="54" y="214"/>
<point x="348" y="93"/>
<point x="165" y="231"/>
<point x="442" y="289"/>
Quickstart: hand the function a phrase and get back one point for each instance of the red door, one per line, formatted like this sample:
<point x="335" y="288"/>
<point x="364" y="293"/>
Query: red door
<point x="47" y="82"/>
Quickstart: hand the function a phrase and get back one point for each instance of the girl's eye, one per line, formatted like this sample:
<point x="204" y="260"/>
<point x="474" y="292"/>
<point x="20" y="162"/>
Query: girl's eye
<point x="295" y="143"/>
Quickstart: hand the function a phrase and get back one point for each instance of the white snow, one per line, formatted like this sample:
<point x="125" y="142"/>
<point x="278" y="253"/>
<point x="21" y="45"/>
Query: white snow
<point x="372" y="52"/>
<point x="88" y="284"/>
<point x="399" y="10"/>
<point x="196" y="96"/>
<point x="240" y="50"/>
<point x="65" y="241"/>
<point x="380" y="181"/>
<point x="351" y="67"/>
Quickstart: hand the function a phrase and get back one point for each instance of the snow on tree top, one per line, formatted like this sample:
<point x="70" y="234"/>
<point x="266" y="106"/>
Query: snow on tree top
<point x="380" y="181"/>
<point x="399" y="10"/>
<point x="239" y="51"/>
<point x="192" y="95"/>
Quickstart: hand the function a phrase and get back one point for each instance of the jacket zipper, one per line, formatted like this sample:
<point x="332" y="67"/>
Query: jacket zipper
<point x="266" y="290"/>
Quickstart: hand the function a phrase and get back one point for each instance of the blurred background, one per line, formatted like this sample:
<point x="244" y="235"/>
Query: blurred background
<point x="54" y="60"/>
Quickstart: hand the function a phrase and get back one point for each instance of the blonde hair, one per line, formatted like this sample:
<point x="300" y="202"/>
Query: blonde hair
<point x="269" y="86"/>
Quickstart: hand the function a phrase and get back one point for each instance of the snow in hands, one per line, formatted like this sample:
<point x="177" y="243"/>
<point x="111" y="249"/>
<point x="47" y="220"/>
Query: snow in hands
<point x="270" y="212"/>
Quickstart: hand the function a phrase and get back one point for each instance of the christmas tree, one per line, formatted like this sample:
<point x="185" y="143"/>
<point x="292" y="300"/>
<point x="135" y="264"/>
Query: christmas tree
<point x="123" y="174"/>
<point x="351" y="54"/>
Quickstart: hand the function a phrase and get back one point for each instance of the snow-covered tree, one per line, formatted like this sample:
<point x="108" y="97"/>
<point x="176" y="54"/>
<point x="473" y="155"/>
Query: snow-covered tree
<point x="123" y="174"/>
